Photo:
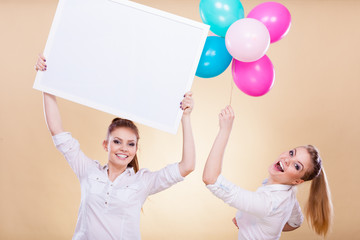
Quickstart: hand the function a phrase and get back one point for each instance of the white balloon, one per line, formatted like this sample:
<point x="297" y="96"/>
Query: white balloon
<point x="247" y="40"/>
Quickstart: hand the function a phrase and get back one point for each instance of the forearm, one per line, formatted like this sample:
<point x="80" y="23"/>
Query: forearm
<point x="214" y="162"/>
<point x="187" y="164"/>
<point x="52" y="114"/>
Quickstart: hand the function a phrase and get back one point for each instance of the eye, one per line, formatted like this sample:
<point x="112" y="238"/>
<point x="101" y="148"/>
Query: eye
<point x="116" y="141"/>
<point x="291" y="152"/>
<point x="132" y="144"/>
<point x="297" y="167"/>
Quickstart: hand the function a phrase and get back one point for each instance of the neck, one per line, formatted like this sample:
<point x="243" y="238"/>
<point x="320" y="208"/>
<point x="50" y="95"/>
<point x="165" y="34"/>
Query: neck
<point x="114" y="171"/>
<point x="271" y="181"/>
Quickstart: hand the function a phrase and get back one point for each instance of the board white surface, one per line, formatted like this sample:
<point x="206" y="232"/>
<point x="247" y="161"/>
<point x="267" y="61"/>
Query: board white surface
<point x="123" y="58"/>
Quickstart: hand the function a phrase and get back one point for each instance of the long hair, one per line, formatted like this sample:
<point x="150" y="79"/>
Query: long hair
<point x="120" y="122"/>
<point x="319" y="208"/>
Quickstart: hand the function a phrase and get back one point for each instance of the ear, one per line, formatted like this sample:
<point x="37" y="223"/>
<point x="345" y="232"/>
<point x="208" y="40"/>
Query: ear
<point x="105" y="145"/>
<point x="297" y="181"/>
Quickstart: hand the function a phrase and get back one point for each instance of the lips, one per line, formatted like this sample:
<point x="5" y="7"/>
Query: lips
<point x="279" y="166"/>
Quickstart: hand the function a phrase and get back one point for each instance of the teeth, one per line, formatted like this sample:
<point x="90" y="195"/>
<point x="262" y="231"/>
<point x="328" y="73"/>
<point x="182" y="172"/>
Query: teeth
<point x="121" y="155"/>
<point x="282" y="168"/>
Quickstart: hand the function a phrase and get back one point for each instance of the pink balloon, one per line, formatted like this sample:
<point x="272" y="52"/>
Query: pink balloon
<point x="276" y="18"/>
<point x="254" y="78"/>
<point x="247" y="40"/>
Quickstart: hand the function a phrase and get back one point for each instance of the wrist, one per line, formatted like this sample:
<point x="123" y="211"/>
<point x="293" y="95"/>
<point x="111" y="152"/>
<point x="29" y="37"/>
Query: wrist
<point x="185" y="117"/>
<point x="224" y="130"/>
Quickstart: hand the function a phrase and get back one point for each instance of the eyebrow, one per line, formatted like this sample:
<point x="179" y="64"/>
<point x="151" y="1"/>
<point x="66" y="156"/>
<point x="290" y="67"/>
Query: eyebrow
<point x="301" y="165"/>
<point x="295" y="151"/>
<point x="122" y="139"/>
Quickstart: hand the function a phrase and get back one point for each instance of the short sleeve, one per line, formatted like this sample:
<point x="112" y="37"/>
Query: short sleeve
<point x="296" y="217"/>
<point x="162" y="179"/>
<point x="70" y="148"/>
<point x="256" y="203"/>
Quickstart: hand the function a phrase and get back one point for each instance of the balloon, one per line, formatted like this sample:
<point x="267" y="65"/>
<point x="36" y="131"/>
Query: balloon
<point x="247" y="40"/>
<point x="220" y="14"/>
<point x="254" y="78"/>
<point x="214" y="58"/>
<point x="276" y="18"/>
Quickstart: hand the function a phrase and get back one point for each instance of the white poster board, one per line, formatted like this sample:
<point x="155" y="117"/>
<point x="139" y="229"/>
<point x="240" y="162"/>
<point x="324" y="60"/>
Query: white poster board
<point x="122" y="58"/>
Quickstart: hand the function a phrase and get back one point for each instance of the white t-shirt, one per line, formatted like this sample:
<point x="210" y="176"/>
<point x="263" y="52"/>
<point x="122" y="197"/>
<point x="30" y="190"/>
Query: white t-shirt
<point x="111" y="210"/>
<point x="262" y="214"/>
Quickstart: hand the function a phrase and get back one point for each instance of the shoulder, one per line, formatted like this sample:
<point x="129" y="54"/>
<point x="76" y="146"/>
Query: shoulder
<point x="278" y="194"/>
<point x="143" y="172"/>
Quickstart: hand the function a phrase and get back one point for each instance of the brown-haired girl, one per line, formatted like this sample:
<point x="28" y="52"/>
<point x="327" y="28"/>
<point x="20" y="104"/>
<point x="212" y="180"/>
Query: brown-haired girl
<point x="112" y="195"/>
<point x="273" y="208"/>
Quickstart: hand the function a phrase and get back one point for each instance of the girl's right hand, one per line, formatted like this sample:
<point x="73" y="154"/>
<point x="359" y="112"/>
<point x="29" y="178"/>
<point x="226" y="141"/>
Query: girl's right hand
<point x="226" y="118"/>
<point x="235" y="222"/>
<point x="40" y="63"/>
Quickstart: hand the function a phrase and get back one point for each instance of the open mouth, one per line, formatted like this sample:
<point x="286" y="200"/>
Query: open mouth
<point x="279" y="166"/>
<point x="121" y="156"/>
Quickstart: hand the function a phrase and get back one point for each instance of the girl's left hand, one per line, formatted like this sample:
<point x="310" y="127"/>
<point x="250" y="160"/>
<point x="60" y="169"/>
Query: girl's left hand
<point x="187" y="104"/>
<point x="226" y="118"/>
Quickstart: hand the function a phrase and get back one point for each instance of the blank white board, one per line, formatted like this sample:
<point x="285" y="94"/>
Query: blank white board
<point x="122" y="58"/>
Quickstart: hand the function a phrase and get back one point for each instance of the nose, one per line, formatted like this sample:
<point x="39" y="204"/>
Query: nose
<point x="123" y="148"/>
<point x="286" y="161"/>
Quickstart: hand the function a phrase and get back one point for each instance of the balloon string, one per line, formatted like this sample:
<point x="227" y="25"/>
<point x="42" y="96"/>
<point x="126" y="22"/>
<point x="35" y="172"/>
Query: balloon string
<point x="231" y="91"/>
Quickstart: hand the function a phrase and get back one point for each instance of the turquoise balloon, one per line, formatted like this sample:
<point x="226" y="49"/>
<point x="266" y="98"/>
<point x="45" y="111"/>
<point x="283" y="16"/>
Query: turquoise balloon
<point x="220" y="14"/>
<point x="215" y="58"/>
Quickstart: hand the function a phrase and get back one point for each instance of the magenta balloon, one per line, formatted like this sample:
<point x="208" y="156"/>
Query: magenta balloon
<point x="275" y="16"/>
<point x="254" y="78"/>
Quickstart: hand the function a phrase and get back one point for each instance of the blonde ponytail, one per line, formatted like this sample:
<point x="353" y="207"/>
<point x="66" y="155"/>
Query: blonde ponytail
<point x="319" y="209"/>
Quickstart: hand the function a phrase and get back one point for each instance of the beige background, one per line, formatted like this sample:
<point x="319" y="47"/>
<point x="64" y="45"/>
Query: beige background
<point x="314" y="100"/>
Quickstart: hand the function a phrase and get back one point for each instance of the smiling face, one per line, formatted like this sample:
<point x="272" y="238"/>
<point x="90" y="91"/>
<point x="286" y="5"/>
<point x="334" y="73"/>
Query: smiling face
<point x="121" y="146"/>
<point x="290" y="167"/>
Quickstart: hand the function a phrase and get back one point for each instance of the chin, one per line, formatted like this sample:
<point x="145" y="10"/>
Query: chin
<point x="120" y="163"/>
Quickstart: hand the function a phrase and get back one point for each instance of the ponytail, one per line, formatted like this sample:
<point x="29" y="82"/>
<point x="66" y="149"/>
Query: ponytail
<point x="319" y="209"/>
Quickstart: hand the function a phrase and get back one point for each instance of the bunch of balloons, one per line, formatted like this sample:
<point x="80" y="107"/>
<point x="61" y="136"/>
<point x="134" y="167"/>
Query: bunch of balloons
<point x="244" y="41"/>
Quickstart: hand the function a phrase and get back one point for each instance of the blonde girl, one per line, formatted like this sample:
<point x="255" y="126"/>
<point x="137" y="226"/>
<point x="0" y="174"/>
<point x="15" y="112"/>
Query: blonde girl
<point x="273" y="208"/>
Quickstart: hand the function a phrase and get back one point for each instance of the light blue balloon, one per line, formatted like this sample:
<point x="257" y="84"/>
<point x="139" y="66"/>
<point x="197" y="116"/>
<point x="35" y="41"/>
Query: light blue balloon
<point x="220" y="14"/>
<point x="215" y="58"/>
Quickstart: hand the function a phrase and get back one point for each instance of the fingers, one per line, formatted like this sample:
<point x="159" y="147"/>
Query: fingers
<point x="187" y="104"/>
<point x="42" y="57"/>
<point x="226" y="119"/>
<point x="231" y="111"/>
<point x="40" y="63"/>
<point x="188" y="94"/>
<point x="234" y="221"/>
<point x="227" y="112"/>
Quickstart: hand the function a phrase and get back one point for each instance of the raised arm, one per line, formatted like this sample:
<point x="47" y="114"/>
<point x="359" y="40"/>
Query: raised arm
<point x="51" y="110"/>
<point x="187" y="164"/>
<point x="214" y="162"/>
